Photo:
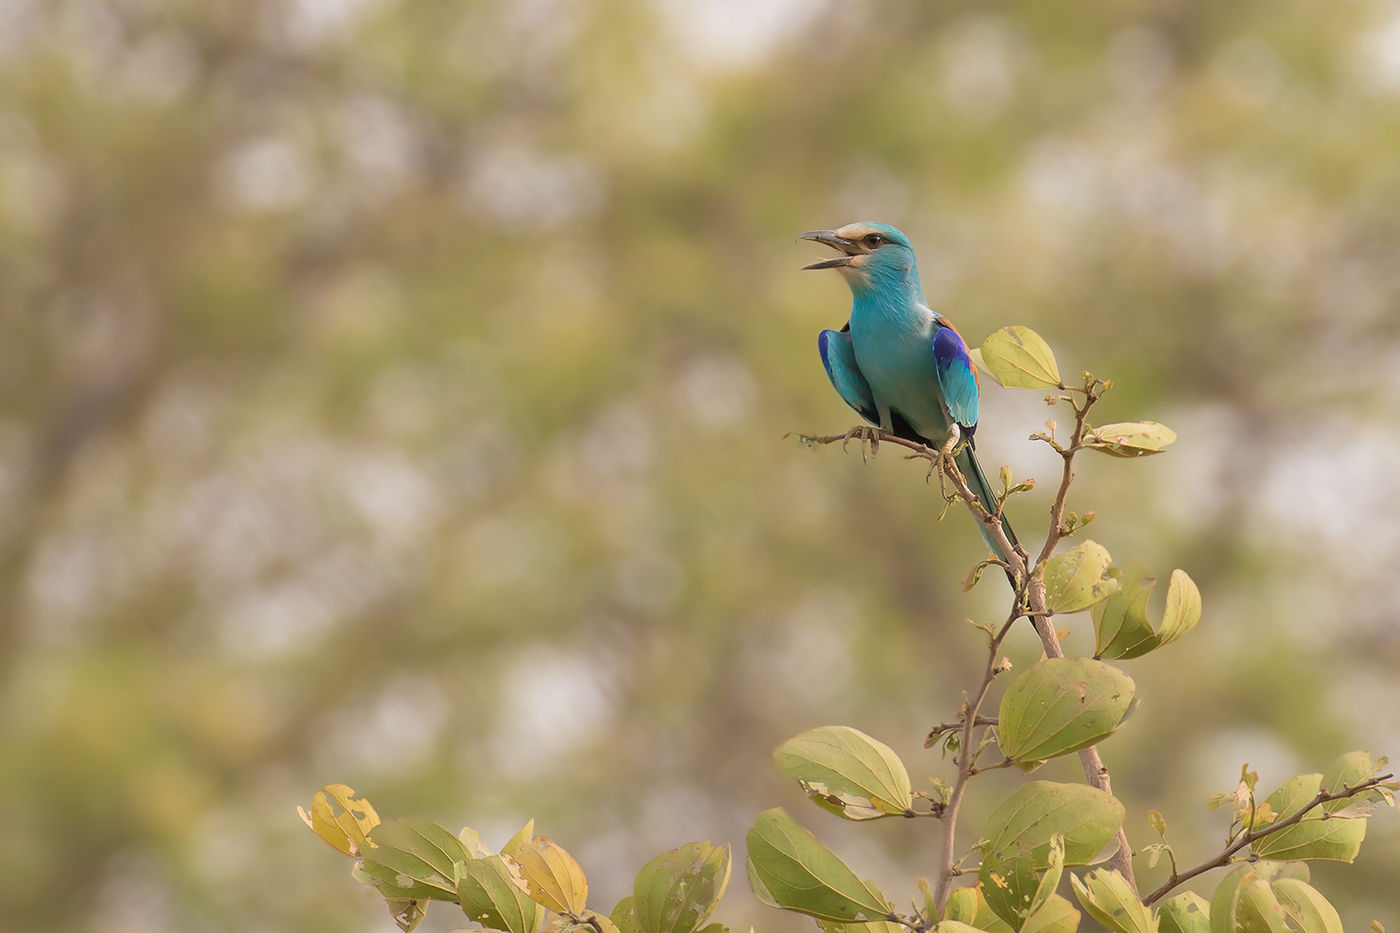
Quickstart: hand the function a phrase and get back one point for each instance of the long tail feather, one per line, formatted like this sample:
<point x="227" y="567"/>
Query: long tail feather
<point x="977" y="482"/>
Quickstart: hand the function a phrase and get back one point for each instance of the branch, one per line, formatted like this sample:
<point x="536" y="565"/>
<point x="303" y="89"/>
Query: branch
<point x="970" y="721"/>
<point x="1041" y="617"/>
<point x="1250" y="838"/>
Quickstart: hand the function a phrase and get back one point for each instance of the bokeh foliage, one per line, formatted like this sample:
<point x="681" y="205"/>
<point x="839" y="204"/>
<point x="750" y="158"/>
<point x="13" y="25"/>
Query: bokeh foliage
<point x="394" y="391"/>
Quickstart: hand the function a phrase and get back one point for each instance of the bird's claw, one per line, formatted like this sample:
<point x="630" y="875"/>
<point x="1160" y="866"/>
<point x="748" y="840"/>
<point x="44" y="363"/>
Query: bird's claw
<point x="869" y="438"/>
<point x="941" y="458"/>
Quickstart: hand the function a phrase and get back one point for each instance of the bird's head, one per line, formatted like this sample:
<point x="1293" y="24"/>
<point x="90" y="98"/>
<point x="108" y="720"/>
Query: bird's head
<point x="872" y="256"/>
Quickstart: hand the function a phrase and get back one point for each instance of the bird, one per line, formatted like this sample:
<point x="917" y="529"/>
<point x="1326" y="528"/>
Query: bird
<point x="901" y="365"/>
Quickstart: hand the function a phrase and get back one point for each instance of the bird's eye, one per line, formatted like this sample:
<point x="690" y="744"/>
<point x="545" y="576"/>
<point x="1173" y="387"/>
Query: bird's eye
<point x="874" y="240"/>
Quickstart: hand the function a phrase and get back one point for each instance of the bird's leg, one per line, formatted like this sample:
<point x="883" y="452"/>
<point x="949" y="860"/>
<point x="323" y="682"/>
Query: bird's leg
<point x="954" y="435"/>
<point x="940" y="458"/>
<point x="869" y="437"/>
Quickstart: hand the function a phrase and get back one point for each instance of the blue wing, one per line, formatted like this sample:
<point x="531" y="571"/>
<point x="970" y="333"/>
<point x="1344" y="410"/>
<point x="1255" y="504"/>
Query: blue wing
<point x="957" y="376"/>
<point x="839" y="358"/>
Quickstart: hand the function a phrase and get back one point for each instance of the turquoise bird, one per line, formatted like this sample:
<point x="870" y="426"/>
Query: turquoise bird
<point x="897" y="362"/>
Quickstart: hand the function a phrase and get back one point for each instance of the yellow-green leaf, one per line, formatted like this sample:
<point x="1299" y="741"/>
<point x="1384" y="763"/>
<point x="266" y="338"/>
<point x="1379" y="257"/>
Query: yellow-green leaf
<point x="1035" y="812"/>
<point x="1079" y="578"/>
<point x="847" y="772"/>
<point x="1018" y="358"/>
<point x="1310" y="911"/>
<point x="407" y="912"/>
<point x="1131" y="438"/>
<point x="1110" y="900"/>
<point x="1121" y="626"/>
<point x="963" y="905"/>
<point x="414" y="859"/>
<point x="1187" y="912"/>
<point x="492" y="894"/>
<point x="1258" y="910"/>
<point x="1060" y="705"/>
<point x="1051" y="879"/>
<point x="550" y="875"/>
<point x="1346" y="772"/>
<point x="678" y="890"/>
<point x="340" y="818"/>
<point x="1333" y="839"/>
<point x="1055" y="915"/>
<point x="790" y="869"/>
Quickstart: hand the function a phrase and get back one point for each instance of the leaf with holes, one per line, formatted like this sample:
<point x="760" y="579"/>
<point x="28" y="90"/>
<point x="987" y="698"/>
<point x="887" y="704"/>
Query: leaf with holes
<point x="492" y="895"/>
<point x="550" y="875"/>
<point x="340" y="818"/>
<point x="414" y="859"/>
<point x="1187" y="912"/>
<point x="678" y="890"/>
<point x="1110" y="899"/>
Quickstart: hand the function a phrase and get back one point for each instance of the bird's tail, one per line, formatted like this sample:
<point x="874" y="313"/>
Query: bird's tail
<point x="966" y="460"/>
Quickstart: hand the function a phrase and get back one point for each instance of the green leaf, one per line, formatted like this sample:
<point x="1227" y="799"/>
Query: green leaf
<point x="1060" y="705"/>
<point x="1257" y="909"/>
<point x="847" y="772"/>
<point x="624" y="915"/>
<point x="407" y="912"/>
<point x="492" y="894"/>
<point x="1110" y="899"/>
<point x="471" y="841"/>
<point x="1053" y="872"/>
<point x="678" y="890"/>
<point x="523" y="836"/>
<point x="1347" y="772"/>
<point x="1010" y="884"/>
<point x="1018" y="358"/>
<point x="1229" y="912"/>
<point x="1121" y="626"/>
<point x="1293" y="794"/>
<point x="963" y="904"/>
<point x="1036" y="811"/>
<point x="1056" y="915"/>
<point x="873" y="926"/>
<point x="1320" y="835"/>
<point x="1310" y="911"/>
<point x="1317" y="838"/>
<point x="414" y="859"/>
<point x="1187" y="912"/>
<point x="956" y="926"/>
<point x="1079" y="578"/>
<point x="789" y="868"/>
<point x="340" y="818"/>
<point x="550" y="875"/>
<point x="1131" y="438"/>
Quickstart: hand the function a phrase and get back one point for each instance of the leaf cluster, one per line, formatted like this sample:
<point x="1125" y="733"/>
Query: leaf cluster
<point x="531" y="885"/>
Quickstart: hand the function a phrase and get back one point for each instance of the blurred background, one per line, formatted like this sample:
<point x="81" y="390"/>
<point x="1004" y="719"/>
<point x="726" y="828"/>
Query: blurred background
<point x="395" y="393"/>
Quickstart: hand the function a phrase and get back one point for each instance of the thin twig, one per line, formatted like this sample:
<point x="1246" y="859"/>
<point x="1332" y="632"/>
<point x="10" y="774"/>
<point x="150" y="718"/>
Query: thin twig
<point x="965" y="764"/>
<point x="1249" y="838"/>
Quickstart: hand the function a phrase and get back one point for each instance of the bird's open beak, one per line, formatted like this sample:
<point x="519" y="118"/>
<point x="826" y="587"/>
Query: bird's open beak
<point x="847" y="247"/>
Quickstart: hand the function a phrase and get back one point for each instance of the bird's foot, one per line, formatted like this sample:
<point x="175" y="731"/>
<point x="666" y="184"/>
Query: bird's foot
<point x="940" y="458"/>
<point x="869" y="437"/>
